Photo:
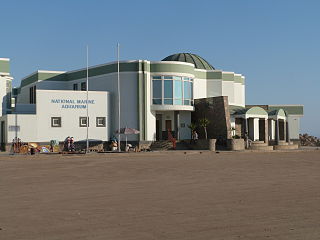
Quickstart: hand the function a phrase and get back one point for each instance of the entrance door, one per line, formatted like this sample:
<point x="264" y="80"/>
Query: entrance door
<point x="168" y="125"/>
<point x="158" y="130"/>
<point x="158" y="127"/>
<point x="2" y="137"/>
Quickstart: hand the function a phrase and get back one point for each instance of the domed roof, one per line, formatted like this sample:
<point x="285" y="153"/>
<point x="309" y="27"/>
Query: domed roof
<point x="198" y="61"/>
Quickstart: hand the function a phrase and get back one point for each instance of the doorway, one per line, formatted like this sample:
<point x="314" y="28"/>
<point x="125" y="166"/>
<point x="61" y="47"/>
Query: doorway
<point x="2" y="137"/>
<point x="168" y="125"/>
<point x="158" y="127"/>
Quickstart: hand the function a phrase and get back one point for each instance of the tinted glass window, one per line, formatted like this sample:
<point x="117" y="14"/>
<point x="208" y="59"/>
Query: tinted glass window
<point x="168" y="89"/>
<point x="157" y="89"/>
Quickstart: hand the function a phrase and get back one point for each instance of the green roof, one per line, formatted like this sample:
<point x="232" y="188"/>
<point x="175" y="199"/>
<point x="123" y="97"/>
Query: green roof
<point x="198" y="61"/>
<point x="289" y="109"/>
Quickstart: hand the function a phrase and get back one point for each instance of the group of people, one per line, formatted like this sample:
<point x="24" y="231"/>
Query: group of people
<point x="69" y="144"/>
<point x="16" y="144"/>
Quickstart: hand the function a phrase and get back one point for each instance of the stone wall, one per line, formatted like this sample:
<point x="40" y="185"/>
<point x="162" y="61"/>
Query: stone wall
<point x="216" y="109"/>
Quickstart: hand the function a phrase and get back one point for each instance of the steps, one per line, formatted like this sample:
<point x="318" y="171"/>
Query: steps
<point x="286" y="147"/>
<point x="260" y="145"/>
<point x="162" y="145"/>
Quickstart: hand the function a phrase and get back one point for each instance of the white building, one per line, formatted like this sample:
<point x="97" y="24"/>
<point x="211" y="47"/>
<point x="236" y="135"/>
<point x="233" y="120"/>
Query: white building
<point x="156" y="97"/>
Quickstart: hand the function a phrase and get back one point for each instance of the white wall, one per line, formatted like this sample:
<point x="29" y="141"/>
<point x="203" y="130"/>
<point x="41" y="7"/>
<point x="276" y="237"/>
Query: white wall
<point x="70" y="116"/>
<point x="185" y="118"/>
<point x="228" y="90"/>
<point x="3" y="93"/>
<point x="238" y="94"/>
<point x="129" y="98"/>
<point x="199" y="88"/>
<point x="23" y="126"/>
<point x="294" y="126"/>
<point x="214" y="88"/>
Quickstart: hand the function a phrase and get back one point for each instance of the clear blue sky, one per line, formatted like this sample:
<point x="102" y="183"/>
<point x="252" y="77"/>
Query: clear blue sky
<point x="275" y="44"/>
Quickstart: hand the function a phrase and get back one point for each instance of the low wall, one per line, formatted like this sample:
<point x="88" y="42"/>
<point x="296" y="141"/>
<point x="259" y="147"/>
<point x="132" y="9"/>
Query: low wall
<point x="235" y="144"/>
<point x="204" y="144"/>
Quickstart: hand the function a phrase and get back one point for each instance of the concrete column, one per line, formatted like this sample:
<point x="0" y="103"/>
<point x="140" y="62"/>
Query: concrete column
<point x="266" y="131"/>
<point x="256" y="129"/>
<point x="284" y="130"/>
<point x="251" y="128"/>
<point x="277" y="131"/>
<point x="245" y="126"/>
<point x="288" y="135"/>
<point x="177" y="124"/>
<point x="273" y="130"/>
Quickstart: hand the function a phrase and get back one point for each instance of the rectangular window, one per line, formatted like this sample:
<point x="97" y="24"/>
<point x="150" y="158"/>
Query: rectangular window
<point x="177" y="89"/>
<point x="83" y="86"/>
<point x="156" y="77"/>
<point x="34" y="95"/>
<point x="56" y="122"/>
<point x="101" y="122"/>
<point x="168" y="77"/>
<point x="75" y="86"/>
<point x="157" y="89"/>
<point x="83" y="122"/>
<point x="168" y="101"/>
<point x="168" y="89"/>
<point x="187" y="102"/>
<point x="177" y="102"/>
<point x="157" y="101"/>
<point x="31" y="95"/>
<point x="187" y="90"/>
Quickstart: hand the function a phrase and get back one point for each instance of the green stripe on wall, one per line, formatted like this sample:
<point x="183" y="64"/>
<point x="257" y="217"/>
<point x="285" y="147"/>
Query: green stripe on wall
<point x="165" y="67"/>
<point x="95" y="71"/>
<point x="228" y="76"/>
<point x="4" y="66"/>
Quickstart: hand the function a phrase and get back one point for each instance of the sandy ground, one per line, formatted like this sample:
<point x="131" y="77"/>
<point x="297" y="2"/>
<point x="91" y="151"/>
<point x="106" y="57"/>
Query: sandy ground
<point x="271" y="195"/>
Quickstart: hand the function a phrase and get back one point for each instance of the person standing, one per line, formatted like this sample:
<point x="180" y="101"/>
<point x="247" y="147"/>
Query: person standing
<point x="194" y="137"/>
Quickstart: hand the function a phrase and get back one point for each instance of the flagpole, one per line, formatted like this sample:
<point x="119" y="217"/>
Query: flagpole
<point x="87" y="107"/>
<point x="119" y="102"/>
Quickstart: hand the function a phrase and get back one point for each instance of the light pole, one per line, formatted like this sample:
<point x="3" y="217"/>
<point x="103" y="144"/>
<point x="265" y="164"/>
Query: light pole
<point x="87" y="107"/>
<point x="119" y="98"/>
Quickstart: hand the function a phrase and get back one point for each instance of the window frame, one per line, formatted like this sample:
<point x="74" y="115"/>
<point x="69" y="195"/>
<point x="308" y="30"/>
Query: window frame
<point x="85" y="86"/>
<point x="81" y="124"/>
<point x="53" y="122"/>
<point x="100" y="125"/>
<point x="166" y="100"/>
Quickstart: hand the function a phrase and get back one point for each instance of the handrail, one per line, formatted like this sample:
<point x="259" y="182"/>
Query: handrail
<point x="172" y="139"/>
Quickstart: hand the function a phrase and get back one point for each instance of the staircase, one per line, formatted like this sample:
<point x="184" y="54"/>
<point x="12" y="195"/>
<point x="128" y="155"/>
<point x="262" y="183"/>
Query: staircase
<point x="162" y="145"/>
<point x="260" y="145"/>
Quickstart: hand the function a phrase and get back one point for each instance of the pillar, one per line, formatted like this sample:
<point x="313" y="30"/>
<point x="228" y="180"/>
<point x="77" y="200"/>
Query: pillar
<point x="288" y="135"/>
<point x="256" y="129"/>
<point x="277" y="131"/>
<point x="177" y="124"/>
<point x="284" y="130"/>
<point x="266" y="131"/>
<point x="246" y="126"/>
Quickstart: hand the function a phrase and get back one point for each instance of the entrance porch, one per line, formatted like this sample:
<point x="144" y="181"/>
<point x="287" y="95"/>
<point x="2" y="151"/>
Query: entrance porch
<point x="174" y="122"/>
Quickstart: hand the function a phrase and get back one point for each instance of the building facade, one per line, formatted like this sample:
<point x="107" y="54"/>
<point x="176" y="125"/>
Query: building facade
<point x="157" y="97"/>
